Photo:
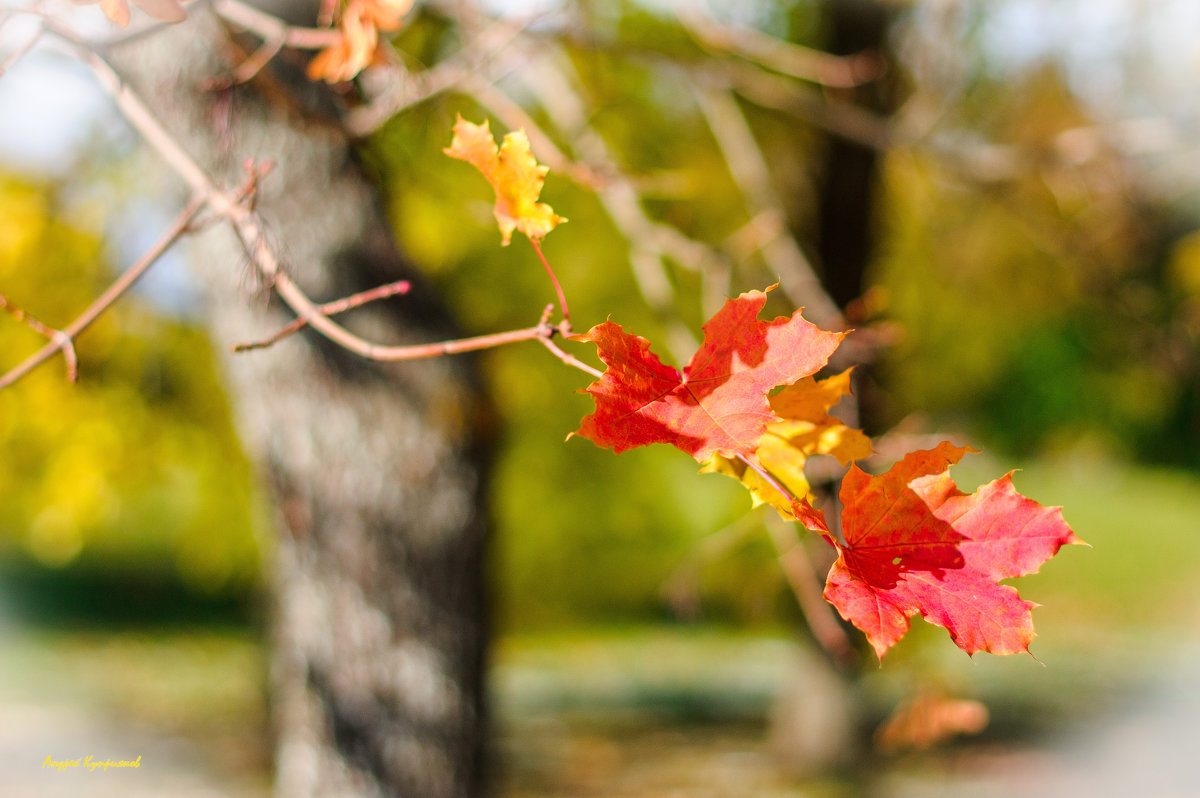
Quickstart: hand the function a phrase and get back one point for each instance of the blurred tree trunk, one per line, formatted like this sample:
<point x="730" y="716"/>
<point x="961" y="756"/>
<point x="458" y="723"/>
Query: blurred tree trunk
<point x="851" y="174"/>
<point x="378" y="470"/>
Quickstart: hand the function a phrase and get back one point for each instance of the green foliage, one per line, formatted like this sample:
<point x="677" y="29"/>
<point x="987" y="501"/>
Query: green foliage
<point x="1035" y="307"/>
<point x="137" y="467"/>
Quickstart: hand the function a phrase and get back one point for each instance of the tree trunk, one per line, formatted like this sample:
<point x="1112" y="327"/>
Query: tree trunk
<point x="378" y="470"/>
<point x="845" y="235"/>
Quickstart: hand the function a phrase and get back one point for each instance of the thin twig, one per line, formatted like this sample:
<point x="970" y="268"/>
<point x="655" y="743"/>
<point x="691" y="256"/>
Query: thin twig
<point x="407" y="88"/>
<point x="57" y="337"/>
<point x="750" y="171"/>
<point x="331" y="309"/>
<point x="568" y="358"/>
<point x="838" y="117"/>
<point x="802" y="510"/>
<point x="245" y="221"/>
<point x="778" y="55"/>
<point x="245" y="71"/>
<point x="181" y="225"/>
<point x="270" y="28"/>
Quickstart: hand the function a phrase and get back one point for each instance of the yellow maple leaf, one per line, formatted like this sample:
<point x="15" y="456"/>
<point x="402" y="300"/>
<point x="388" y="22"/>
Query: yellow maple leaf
<point x="514" y="174"/>
<point x="805" y="428"/>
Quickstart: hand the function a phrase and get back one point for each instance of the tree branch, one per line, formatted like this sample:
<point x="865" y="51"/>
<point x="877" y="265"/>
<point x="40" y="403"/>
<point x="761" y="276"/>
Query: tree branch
<point x="63" y="339"/>
<point x="57" y="337"/>
<point x="749" y="169"/>
<point x="272" y="29"/>
<point x="330" y="309"/>
<point x="778" y="55"/>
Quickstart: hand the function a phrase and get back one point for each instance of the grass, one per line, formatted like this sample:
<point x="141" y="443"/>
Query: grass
<point x="595" y="700"/>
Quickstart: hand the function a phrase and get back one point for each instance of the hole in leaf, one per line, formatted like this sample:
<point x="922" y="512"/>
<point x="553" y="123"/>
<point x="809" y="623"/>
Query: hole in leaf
<point x="895" y="561"/>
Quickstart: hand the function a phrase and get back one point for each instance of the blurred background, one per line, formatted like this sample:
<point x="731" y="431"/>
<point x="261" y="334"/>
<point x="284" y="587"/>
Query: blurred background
<point x="1001" y="197"/>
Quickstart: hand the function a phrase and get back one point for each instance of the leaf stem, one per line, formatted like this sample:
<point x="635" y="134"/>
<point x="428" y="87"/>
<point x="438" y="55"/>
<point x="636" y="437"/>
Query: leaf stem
<point x="797" y="568"/>
<point x="568" y="358"/>
<point x="562" y="299"/>
<point x="805" y="513"/>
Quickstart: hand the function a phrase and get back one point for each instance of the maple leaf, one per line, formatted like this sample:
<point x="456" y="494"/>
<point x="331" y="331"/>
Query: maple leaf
<point x="805" y="429"/>
<point x="118" y="10"/>
<point x="514" y="174"/>
<point x="357" y="46"/>
<point x="718" y="404"/>
<point x="351" y="53"/>
<point x="915" y="543"/>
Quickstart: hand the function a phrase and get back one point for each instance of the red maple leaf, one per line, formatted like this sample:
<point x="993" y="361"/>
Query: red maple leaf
<point x="915" y="543"/>
<point x="719" y="402"/>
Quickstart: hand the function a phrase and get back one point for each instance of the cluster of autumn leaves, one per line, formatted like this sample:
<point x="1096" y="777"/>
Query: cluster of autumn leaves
<point x="749" y="405"/>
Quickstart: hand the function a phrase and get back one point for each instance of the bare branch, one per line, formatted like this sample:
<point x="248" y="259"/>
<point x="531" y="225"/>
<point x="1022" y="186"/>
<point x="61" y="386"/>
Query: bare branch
<point x="749" y="169"/>
<point x="63" y="341"/>
<point x="272" y="29"/>
<point x="400" y="89"/>
<point x="788" y="58"/>
<point x="833" y="116"/>
<point x="245" y="221"/>
<point x="331" y="309"/>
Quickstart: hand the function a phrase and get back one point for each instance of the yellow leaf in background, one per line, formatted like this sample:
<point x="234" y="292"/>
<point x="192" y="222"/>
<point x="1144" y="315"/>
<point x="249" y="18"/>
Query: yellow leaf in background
<point x="514" y="174"/>
<point x="805" y="428"/>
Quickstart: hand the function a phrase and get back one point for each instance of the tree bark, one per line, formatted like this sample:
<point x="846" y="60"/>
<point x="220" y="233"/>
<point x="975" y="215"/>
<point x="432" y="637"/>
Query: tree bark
<point x="378" y="471"/>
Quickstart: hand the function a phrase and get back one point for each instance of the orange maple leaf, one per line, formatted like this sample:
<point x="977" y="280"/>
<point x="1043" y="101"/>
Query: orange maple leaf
<point x="514" y="174"/>
<point x="359" y="23"/>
